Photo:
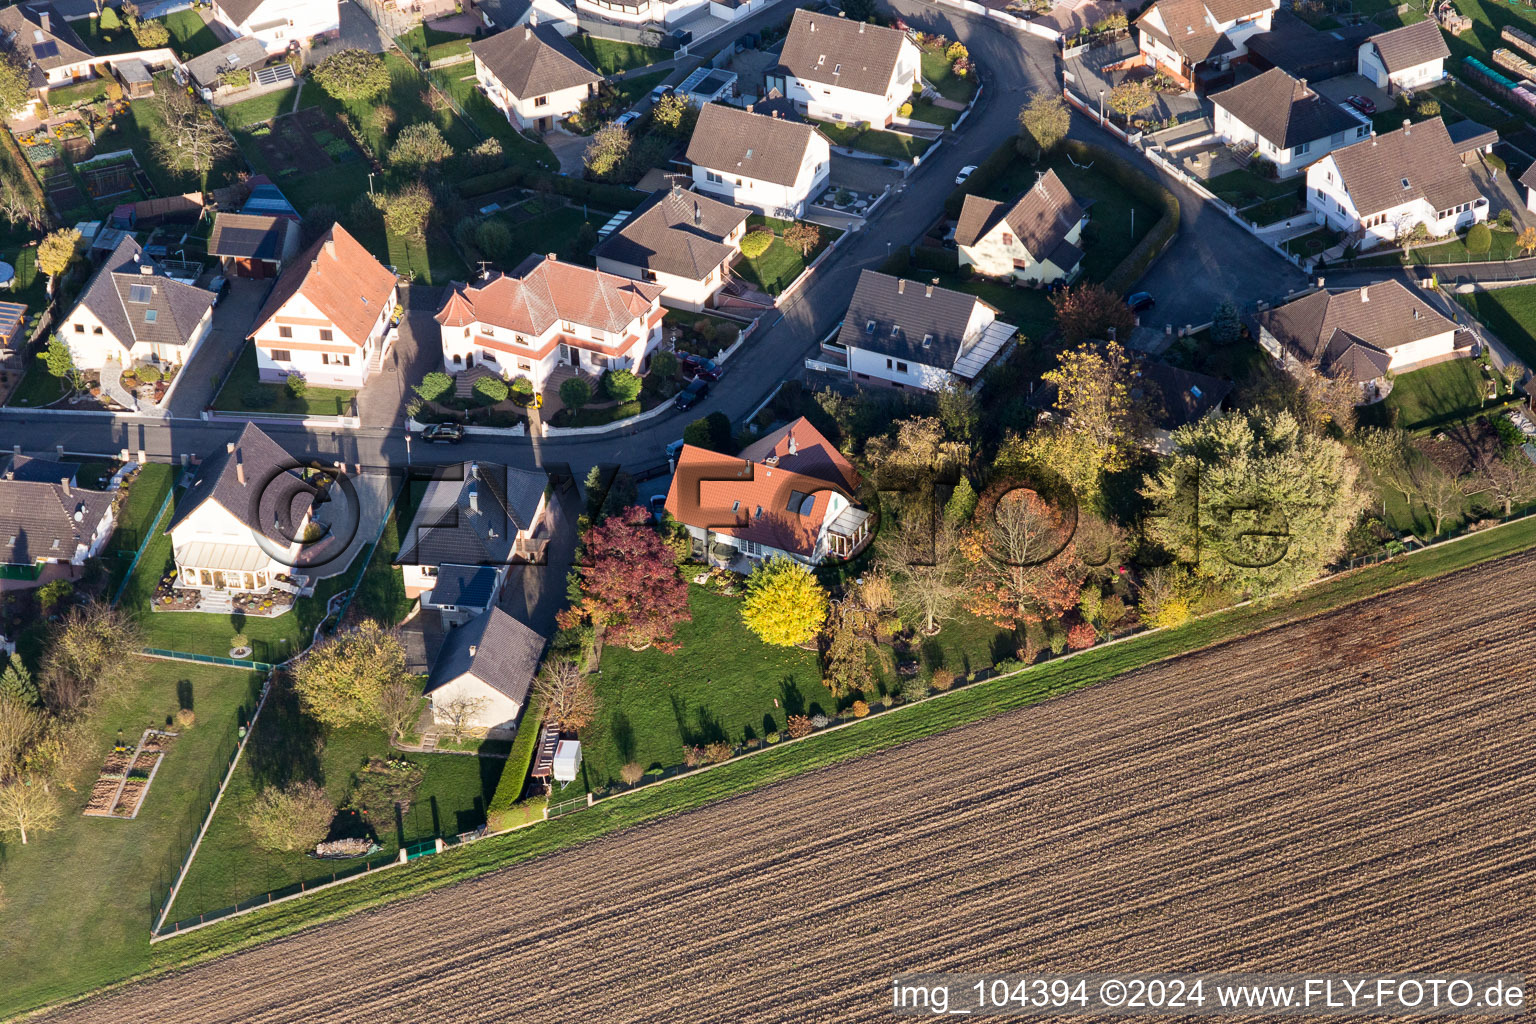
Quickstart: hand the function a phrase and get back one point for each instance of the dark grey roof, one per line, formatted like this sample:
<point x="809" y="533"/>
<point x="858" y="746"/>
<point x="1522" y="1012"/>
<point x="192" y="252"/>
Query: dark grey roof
<point x="841" y="51"/>
<point x="139" y="306"/>
<point x="1041" y="219"/>
<point x="1467" y="136"/>
<point x="249" y="235"/>
<point x="37" y="520"/>
<point x="738" y="142"/>
<point x="1303" y="51"/>
<point x="465" y="586"/>
<point x="272" y="500"/>
<point x="676" y="232"/>
<point x="893" y="316"/>
<point x="504" y="14"/>
<point x="239" y="11"/>
<point x="1528" y="179"/>
<point x="1411" y="45"/>
<point x="494" y="648"/>
<point x="1182" y="396"/>
<point x="45" y="471"/>
<point x="245" y="52"/>
<point x="1352" y="331"/>
<point x="1284" y="111"/>
<point x="776" y="104"/>
<point x="49" y="48"/>
<point x="471" y="514"/>
<point x="534" y="60"/>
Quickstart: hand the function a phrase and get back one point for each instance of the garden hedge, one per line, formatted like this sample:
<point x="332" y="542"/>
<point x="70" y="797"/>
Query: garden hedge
<point x="519" y="762"/>
<point x="601" y="193"/>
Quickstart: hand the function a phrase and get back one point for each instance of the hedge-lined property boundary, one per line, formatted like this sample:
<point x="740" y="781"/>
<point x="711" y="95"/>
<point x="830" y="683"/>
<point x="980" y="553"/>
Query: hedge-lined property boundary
<point x="22" y="168"/>
<point x="519" y="760"/>
<point x="962" y="706"/>
<point x="1143" y="186"/>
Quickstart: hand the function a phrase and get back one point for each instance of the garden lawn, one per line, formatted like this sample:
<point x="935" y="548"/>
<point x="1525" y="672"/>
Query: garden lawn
<point x="1438" y="395"/>
<point x="773" y="271"/>
<point x="245" y="384"/>
<point x="517" y="148"/>
<point x="721" y="685"/>
<point x="259" y="109"/>
<point x="229" y="868"/>
<point x="434" y="43"/>
<point x="540" y="225"/>
<point x="38" y="387"/>
<point x="140" y="130"/>
<point x="1453" y="251"/>
<point x="1243" y="188"/>
<point x="1511" y="314"/>
<point x="932" y="113"/>
<point x="79" y="898"/>
<point x="1028" y="309"/>
<point x="1313" y="242"/>
<point x="905" y="148"/>
<point x="937" y="73"/>
<point x="637" y="87"/>
<point x="146" y="492"/>
<point x="381" y="590"/>
<point x="610" y="56"/>
<point x="409" y="97"/>
<point x="190" y="36"/>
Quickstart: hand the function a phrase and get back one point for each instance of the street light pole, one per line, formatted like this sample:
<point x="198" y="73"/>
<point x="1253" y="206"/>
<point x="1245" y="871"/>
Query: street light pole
<point x="1101" y="125"/>
<point x="407" y="449"/>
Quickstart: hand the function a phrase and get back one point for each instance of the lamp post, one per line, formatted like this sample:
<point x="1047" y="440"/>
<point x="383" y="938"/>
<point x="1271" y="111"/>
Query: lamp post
<point x="1101" y="125"/>
<point x="407" y="448"/>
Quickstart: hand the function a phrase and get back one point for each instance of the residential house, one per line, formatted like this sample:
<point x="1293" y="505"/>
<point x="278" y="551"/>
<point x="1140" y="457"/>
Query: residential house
<point x="249" y="522"/>
<point x="681" y="240"/>
<point x="1382" y="188"/>
<point x="279" y="24"/>
<point x="1528" y="179"/>
<point x="1190" y="40"/>
<point x="1407" y="58"/>
<point x="840" y="69"/>
<point x="1035" y="239"/>
<point x="547" y="315"/>
<point x="1176" y="398"/>
<point x="1303" y="51"/>
<point x="253" y="245"/>
<point x="533" y="75"/>
<point x="918" y="335"/>
<point x="132" y="313"/>
<point x="483" y="674"/>
<point x="790" y="493"/>
<point x="47" y="519"/>
<point x="475" y="519"/>
<point x="1361" y="334"/>
<point x="661" y="13"/>
<point x="773" y="165"/>
<point x="1285" y="122"/>
<point x="505" y="15"/>
<point x="44" y="43"/>
<point x="208" y="71"/>
<point x="329" y="317"/>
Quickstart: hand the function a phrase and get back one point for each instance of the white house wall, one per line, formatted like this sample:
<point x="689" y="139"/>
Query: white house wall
<point x="837" y="103"/>
<point x="497" y="710"/>
<point x="906" y="372"/>
<point x="277" y="23"/>
<point x="1326" y="195"/>
<point x="524" y="111"/>
<point x="769" y="197"/>
<point x="993" y="256"/>
<point x="338" y="362"/>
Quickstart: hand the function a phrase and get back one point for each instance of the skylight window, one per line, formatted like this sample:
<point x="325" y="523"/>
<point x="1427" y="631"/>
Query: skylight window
<point x="1405" y="183"/>
<point x="150" y="316"/>
<point x="869" y="327"/>
<point x="140" y="293"/>
<point x="927" y="341"/>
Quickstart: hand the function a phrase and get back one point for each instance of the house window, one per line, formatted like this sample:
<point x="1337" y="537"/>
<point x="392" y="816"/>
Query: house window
<point x="541" y="101"/>
<point x="889" y="363"/>
<point x="523" y="364"/>
<point x="753" y="549"/>
<point x="285" y="332"/>
<point x="1299" y="150"/>
<point x="1007" y="238"/>
<point x="712" y="176"/>
<point x="79" y="328"/>
<point x="325" y="335"/>
<point x="901" y="367"/>
<point x="281" y="355"/>
<point x="96" y="329"/>
<point x="151" y="315"/>
<point x="327" y="359"/>
<point x="466" y="332"/>
<point x="567" y="326"/>
<point x="1339" y="205"/>
<point x="488" y="329"/>
<point x="1021" y="264"/>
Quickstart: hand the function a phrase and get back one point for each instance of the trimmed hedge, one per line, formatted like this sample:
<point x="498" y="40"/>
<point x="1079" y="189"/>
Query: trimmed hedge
<point x="597" y="192"/>
<point x="1143" y="186"/>
<point x="519" y="762"/>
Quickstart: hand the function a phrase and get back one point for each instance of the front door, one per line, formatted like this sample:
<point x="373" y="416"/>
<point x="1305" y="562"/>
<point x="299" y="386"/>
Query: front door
<point x="218" y="580"/>
<point x="469" y="361"/>
<point x="575" y="356"/>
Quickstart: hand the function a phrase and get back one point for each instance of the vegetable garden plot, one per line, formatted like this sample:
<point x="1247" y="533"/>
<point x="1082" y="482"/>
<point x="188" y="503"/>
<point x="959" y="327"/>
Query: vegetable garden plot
<point x="126" y="775"/>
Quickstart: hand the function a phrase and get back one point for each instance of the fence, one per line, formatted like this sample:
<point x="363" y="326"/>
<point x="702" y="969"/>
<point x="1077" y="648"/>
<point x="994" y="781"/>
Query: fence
<point x="149" y="535"/>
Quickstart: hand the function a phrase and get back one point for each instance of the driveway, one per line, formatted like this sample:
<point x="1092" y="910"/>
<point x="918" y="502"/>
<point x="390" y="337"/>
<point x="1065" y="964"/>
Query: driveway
<point x="856" y="175"/>
<point x="1502" y="193"/>
<point x="569" y="150"/>
<point x="233" y="320"/>
<point x="417" y="351"/>
<point x="358" y="31"/>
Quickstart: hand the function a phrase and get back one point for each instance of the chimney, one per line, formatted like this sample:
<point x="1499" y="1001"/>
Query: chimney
<point x="931" y="284"/>
<point x="812" y="23"/>
<point x="472" y="649"/>
<point x="794" y="446"/>
<point x="230" y="447"/>
<point x="330" y="247"/>
<point x="1303" y="83"/>
<point x="474" y="498"/>
<point x="698" y="213"/>
<point x="550" y="256"/>
<point x="42" y="19"/>
<point x="145" y="270"/>
<point x="1373" y="136"/>
<point x="861" y="28"/>
<point x="901" y="286"/>
<point x="474" y="471"/>
<point x="240" y="468"/>
<point x="528" y="32"/>
<point x="1406" y="125"/>
<point x="65" y="483"/>
<point x="1365" y="294"/>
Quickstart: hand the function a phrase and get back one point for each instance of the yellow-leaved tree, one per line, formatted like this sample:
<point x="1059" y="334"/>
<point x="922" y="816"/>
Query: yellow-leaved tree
<point x="785" y="605"/>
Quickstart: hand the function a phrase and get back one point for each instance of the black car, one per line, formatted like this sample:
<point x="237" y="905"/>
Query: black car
<point x="1140" y="302"/>
<point x="699" y="366"/>
<point x="443" y="433"/>
<point x="691" y="394"/>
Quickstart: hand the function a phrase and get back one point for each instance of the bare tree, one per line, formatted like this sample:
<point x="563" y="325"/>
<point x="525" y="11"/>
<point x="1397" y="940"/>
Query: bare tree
<point x="19" y="726"/>
<point x="90" y="655"/>
<point x="1389" y="456"/>
<point x="192" y="138"/>
<point x="26" y="807"/>
<point x="458" y="713"/>
<point x="400" y="707"/>
<point x="1441" y="494"/>
<point x="1511" y="481"/>
<point x="567" y="694"/>
<point x="922" y="554"/>
<point x="291" y="819"/>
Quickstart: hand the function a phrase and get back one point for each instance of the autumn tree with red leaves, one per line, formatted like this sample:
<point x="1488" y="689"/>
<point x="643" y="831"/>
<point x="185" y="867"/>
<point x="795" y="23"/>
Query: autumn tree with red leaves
<point x="1089" y="311"/>
<point x="631" y="592"/>
<point x="1021" y="562"/>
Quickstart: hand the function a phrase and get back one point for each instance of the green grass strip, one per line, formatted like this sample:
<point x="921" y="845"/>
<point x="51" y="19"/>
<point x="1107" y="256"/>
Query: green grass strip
<point x="909" y="722"/>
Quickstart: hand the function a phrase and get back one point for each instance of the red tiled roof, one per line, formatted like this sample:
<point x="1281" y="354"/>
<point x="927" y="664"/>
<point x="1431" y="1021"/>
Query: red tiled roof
<point x="341" y="278"/>
<point x="547" y="292"/>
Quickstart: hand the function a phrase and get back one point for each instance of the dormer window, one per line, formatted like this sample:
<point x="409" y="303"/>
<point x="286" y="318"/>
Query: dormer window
<point x="837" y="69"/>
<point x="895" y="330"/>
<point x="869" y="327"/>
<point x="821" y="60"/>
<point x="736" y="505"/>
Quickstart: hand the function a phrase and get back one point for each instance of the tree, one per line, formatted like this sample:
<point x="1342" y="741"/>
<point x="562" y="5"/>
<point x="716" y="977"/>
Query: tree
<point x="191" y="138"/>
<point x="1479" y="240"/>
<point x="629" y="587"/>
<point x="150" y="35"/>
<point x="1045" y="119"/>
<point x="575" y="393"/>
<point x="566" y="694"/>
<point x="1104" y="405"/>
<point x="89" y="654"/>
<point x="956" y="51"/>
<point x="756" y="242"/>
<point x="419" y="146"/>
<point x="27" y="807"/>
<point x="458" y="712"/>
<point x="923" y="558"/>
<point x="608" y="151"/>
<point x="959" y="412"/>
<point x="434" y="386"/>
<point x="341" y="681"/>
<point x="19" y="204"/>
<point x="914" y="458"/>
<point x="1511" y="480"/>
<point x="1441" y="494"/>
<point x="16" y="682"/>
<point x="58" y="358"/>
<point x="847" y="649"/>
<point x="785" y="606"/>
<point x="50" y="595"/>
<point x="290" y="819"/>
<point x="400" y="707"/>
<point x="1021" y="563"/>
<point x="15" y="83"/>
<point x="961" y="504"/>
<point x="19" y="726"/>
<point x="712" y="432"/>
<point x="108" y="20"/>
<point x="1226" y="324"/>
<point x="406" y="211"/>
<point x="494" y="238"/>
<point x="1527" y="241"/>
<point x="55" y="253"/>
<point x="352" y="75"/>
<point x="1129" y="97"/>
<point x="1428" y="107"/>
<point x="664" y="365"/>
<point x="675" y="115"/>
<point x="622" y="385"/>
<point x="1091" y="310"/>
<point x="1255" y="504"/>
<point x="1388" y="455"/>
<point x="296" y="384"/>
<point x="802" y="237"/>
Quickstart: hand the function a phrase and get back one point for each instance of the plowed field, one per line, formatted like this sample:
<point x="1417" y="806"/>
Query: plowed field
<point x="1356" y="792"/>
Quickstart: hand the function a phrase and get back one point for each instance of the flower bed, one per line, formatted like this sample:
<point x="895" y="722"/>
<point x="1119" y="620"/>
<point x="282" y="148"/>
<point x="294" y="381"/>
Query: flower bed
<point x="120" y="790"/>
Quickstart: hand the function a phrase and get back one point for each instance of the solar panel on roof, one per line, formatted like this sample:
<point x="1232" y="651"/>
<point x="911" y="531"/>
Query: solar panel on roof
<point x="140" y="293"/>
<point x="43" y="51"/>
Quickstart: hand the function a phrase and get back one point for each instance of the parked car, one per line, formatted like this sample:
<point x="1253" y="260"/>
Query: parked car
<point x="660" y="91"/>
<point x="965" y="172"/>
<point x="699" y="366"/>
<point x="1362" y="104"/>
<point x="627" y="118"/>
<point x="690" y="395"/>
<point x="1140" y="302"/>
<point x="220" y="288"/>
<point x="443" y="433"/>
